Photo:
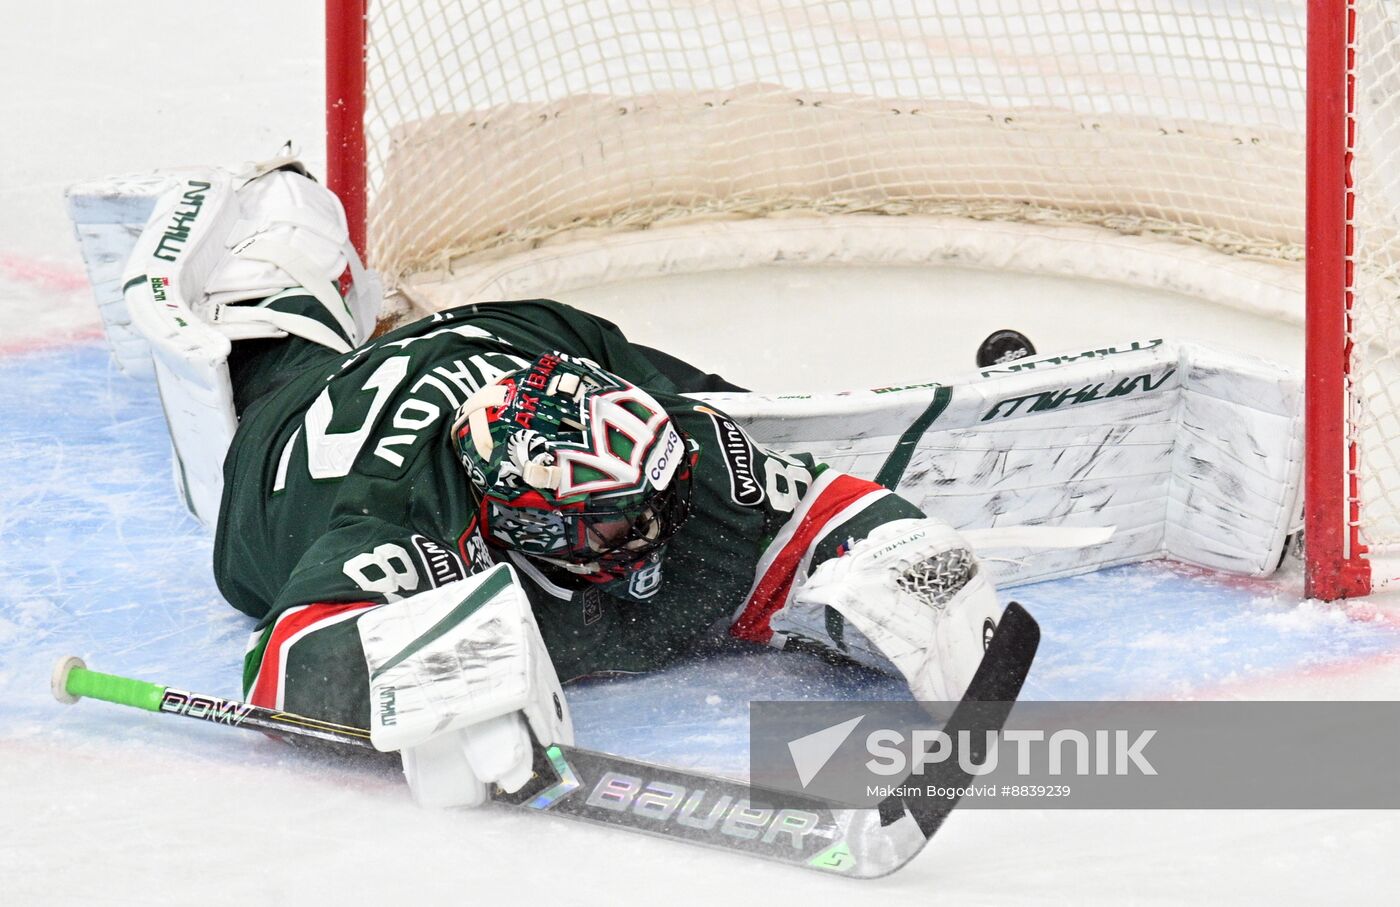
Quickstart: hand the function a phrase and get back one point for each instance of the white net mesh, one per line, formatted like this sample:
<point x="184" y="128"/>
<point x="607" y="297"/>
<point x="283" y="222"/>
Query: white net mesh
<point x="496" y="125"/>
<point x="1375" y="324"/>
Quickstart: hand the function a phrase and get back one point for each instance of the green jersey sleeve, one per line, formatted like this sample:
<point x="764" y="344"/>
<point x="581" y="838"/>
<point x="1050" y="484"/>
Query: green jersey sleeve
<point x="799" y="512"/>
<point x="369" y="560"/>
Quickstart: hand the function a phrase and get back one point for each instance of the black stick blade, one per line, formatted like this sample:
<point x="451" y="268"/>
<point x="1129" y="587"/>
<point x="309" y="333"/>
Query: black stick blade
<point x="984" y="709"/>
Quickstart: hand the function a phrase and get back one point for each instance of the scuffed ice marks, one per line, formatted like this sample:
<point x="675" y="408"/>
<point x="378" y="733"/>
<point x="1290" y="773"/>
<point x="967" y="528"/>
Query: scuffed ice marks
<point x="1165" y="629"/>
<point x="99" y="557"/>
<point x="101" y="560"/>
<point x="697" y="714"/>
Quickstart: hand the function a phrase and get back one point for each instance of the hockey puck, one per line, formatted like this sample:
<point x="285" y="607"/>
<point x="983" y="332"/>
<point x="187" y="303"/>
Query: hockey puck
<point x="1002" y="347"/>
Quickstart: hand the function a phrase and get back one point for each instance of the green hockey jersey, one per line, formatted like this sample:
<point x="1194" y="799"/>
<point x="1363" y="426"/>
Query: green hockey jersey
<point x="341" y="488"/>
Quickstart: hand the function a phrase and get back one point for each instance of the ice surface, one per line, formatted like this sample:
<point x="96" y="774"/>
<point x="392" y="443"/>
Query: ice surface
<point x="104" y="805"/>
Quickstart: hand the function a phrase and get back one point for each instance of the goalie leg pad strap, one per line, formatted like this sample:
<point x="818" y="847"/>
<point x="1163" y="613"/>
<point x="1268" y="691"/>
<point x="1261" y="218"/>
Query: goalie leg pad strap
<point x="285" y="322"/>
<point x="307" y="275"/>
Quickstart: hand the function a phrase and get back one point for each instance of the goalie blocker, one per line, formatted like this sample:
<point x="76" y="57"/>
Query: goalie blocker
<point x="456" y="675"/>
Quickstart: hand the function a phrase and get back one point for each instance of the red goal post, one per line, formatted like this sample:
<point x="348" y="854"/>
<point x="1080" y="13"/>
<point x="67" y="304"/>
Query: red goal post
<point x="1335" y="565"/>
<point x="345" y="111"/>
<point x="462" y="136"/>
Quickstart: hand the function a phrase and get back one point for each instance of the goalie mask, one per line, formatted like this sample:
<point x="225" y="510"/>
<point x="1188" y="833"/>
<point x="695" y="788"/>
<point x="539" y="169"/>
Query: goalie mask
<point x="576" y="467"/>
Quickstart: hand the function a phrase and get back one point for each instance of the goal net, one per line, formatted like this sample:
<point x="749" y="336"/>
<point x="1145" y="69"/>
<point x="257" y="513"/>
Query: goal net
<point x="511" y="147"/>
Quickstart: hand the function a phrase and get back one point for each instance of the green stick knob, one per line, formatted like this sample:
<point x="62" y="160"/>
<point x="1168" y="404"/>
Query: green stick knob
<point x="72" y="681"/>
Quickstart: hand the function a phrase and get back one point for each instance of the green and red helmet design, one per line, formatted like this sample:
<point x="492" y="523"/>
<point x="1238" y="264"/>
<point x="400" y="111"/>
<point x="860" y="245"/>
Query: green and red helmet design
<point x="574" y="465"/>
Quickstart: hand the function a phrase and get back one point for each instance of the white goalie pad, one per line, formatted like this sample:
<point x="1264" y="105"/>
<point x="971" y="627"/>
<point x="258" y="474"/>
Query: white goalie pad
<point x="914" y="602"/>
<point x="209" y="240"/>
<point x="170" y="263"/>
<point x="1189" y="453"/>
<point x="459" y="655"/>
<point x="109" y="216"/>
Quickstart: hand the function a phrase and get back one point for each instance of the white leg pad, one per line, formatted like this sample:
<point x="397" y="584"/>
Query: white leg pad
<point x="914" y="601"/>
<point x="213" y="240"/>
<point x="1191" y="453"/>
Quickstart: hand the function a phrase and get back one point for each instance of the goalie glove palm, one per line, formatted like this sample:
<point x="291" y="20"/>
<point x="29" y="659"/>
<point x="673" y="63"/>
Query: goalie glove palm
<point x="910" y="598"/>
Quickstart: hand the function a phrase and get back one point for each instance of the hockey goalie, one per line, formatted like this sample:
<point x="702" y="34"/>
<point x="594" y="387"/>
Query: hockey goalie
<point x="434" y="526"/>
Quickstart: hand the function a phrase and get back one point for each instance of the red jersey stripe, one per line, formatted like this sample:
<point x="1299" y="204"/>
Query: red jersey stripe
<point x="290" y="627"/>
<point x="771" y="591"/>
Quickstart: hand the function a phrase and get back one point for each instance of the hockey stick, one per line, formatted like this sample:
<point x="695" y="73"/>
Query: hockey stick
<point x="668" y="802"/>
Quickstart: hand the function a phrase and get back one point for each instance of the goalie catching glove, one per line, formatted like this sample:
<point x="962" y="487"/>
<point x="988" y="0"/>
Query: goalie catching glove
<point x="909" y="599"/>
<point x="459" y="683"/>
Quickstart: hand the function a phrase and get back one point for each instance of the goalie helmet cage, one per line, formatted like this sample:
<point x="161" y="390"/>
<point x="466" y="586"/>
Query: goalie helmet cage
<point x="464" y="132"/>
